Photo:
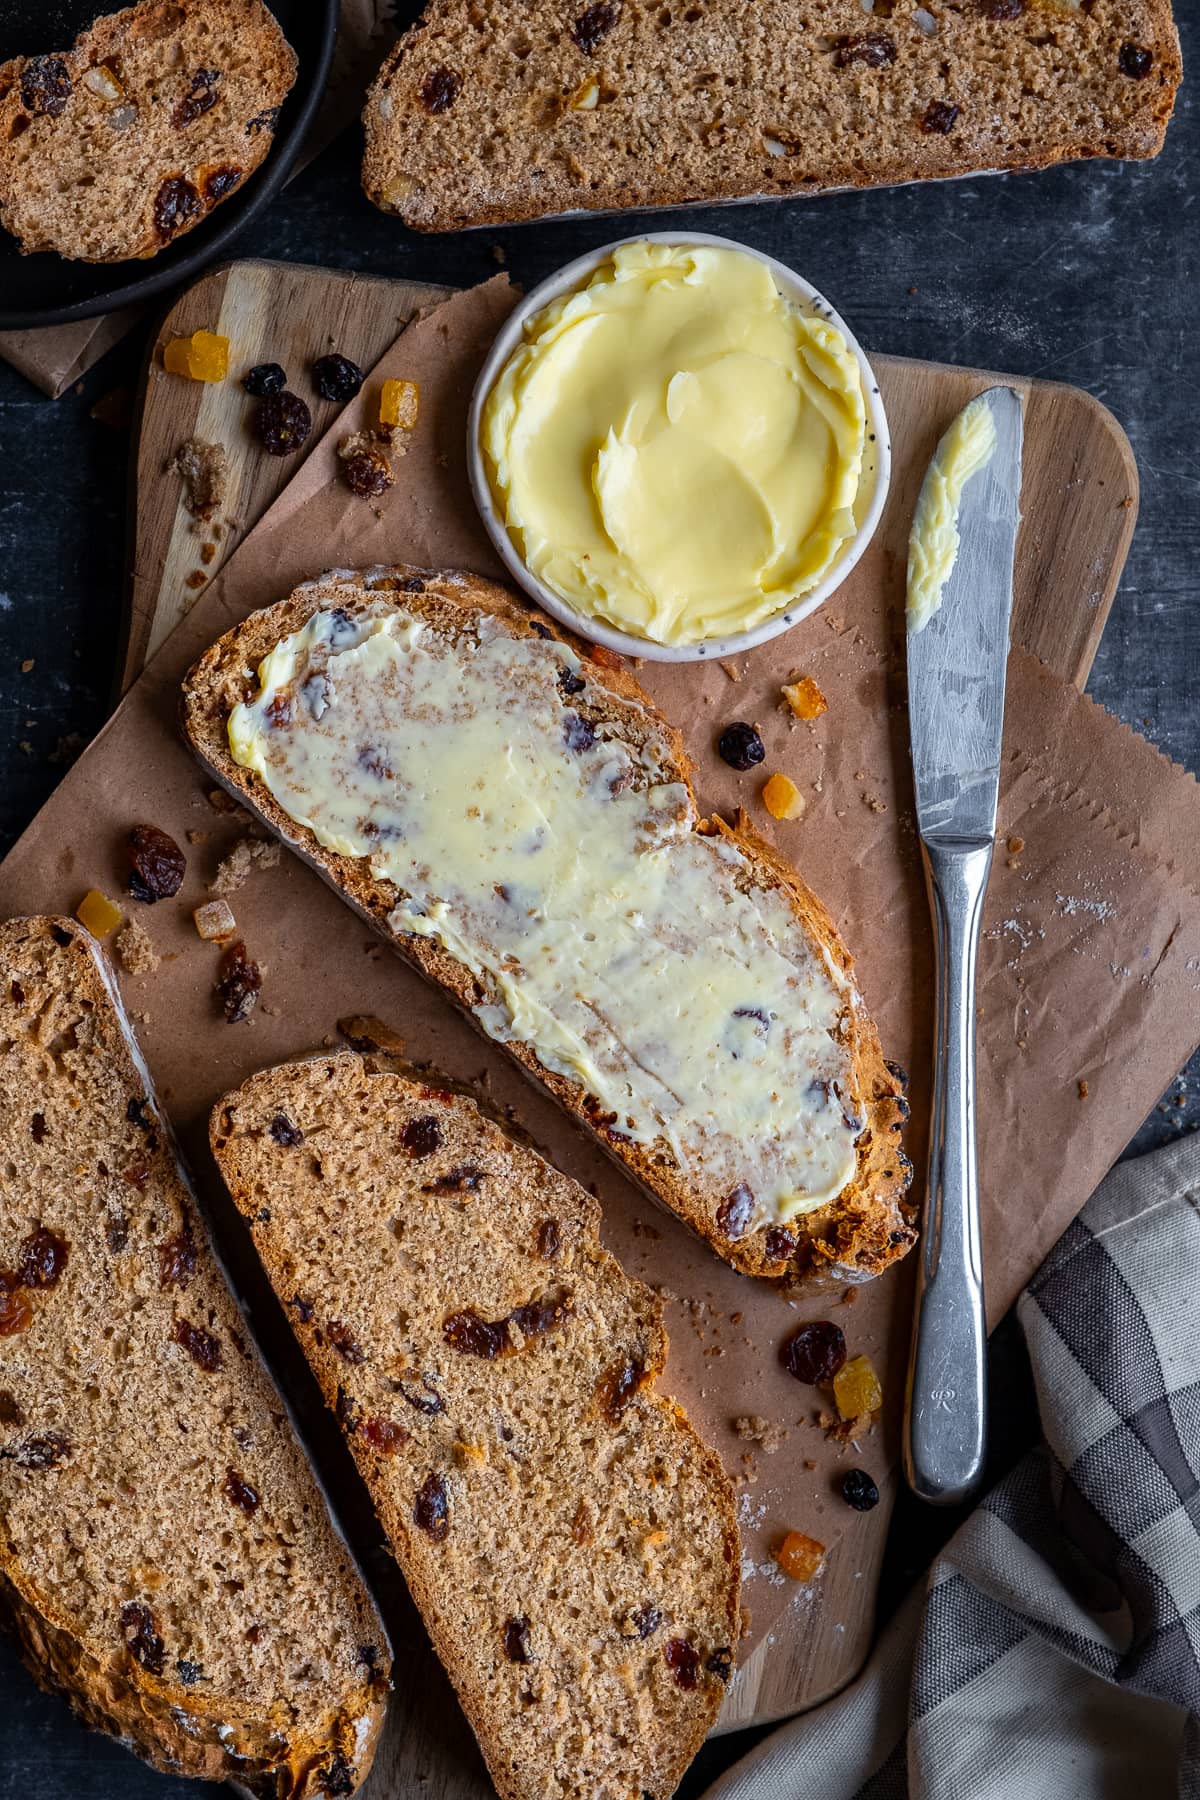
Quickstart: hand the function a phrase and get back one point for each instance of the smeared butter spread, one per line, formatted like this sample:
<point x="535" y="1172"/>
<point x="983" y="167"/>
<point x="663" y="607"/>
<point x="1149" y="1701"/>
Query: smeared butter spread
<point x="559" y="864"/>
<point x="676" y="448"/>
<point x="964" y="450"/>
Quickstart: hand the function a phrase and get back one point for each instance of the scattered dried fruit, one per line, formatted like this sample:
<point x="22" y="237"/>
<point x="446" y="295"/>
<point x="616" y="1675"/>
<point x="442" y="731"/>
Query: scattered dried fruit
<point x="859" y="1491"/>
<point x="1134" y="61"/>
<point x="263" y="379"/>
<point x="431" y="1508"/>
<point x="101" y="80"/>
<point x="283" y="423"/>
<point x="239" y="983"/>
<point x="239" y="1493"/>
<point x="46" y="1452"/>
<point x="16" y="1313"/>
<point x="593" y="26"/>
<point x="177" y="1258"/>
<point x="97" y="914"/>
<point x="683" y="1660"/>
<point x="779" y="1244"/>
<point x="549" y="1239"/>
<point x="44" y="1256"/>
<point x="221" y="181"/>
<point x="201" y="95"/>
<point x="157" y="864"/>
<point x="782" y="798"/>
<point x="740" y="746"/>
<point x="336" y="377"/>
<point x="45" y="86"/>
<point x="176" y="204"/>
<point x="140" y="1631"/>
<point x="383" y="1435"/>
<point x="200" y="1345"/>
<point x="856" y="1388"/>
<point x="345" y="1342"/>
<point x="366" y="466"/>
<point x="735" y="1215"/>
<point x="399" y="404"/>
<point x="516" y="1640"/>
<point x="421" y="1137"/>
<point x="815" y="1352"/>
<point x="939" y="118"/>
<point x="800" y="1557"/>
<point x="430" y="1402"/>
<point x="874" y="49"/>
<point x="617" y="1387"/>
<point x="440" y="89"/>
<point x="214" y="921"/>
<point x="287" y="1135"/>
<point x="805" y="698"/>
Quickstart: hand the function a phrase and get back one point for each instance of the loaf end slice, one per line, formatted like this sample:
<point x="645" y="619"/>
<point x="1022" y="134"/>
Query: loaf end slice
<point x="155" y="115"/>
<point x="570" y="1541"/>
<point x="493" y="111"/>
<point x="167" y="1561"/>
<point x="583" y="714"/>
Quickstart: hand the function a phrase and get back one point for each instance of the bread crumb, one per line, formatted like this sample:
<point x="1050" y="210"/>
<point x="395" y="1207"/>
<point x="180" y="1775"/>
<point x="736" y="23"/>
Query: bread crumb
<point x="1083" y="1090"/>
<point x="363" y="1032"/>
<point x="27" y="665"/>
<point x="1016" y="845"/>
<point x="757" y="1430"/>
<point x="203" y="469"/>
<point x="850" y="1296"/>
<point x="248" y="854"/>
<point x="138" y="955"/>
<point x="731" y="669"/>
<point x="874" y="804"/>
<point x="197" y="837"/>
<point x="222" y="802"/>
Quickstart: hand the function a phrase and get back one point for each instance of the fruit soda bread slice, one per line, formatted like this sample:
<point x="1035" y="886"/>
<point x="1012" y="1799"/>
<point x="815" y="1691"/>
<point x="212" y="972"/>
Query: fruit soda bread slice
<point x="166" y="1559"/>
<point x="571" y="1543"/>
<point x="490" y="111"/>
<point x="117" y="146"/>
<point x="519" y="823"/>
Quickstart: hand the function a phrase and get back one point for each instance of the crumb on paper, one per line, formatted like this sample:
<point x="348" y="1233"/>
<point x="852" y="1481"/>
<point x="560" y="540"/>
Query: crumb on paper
<point x="203" y="469"/>
<point x="850" y="1295"/>
<point x="363" y="1032"/>
<point x="731" y="669"/>
<point x="138" y="955"/>
<point x="247" y="855"/>
<point x="27" y="666"/>
<point x="1015" y="846"/>
<point x="214" y="920"/>
<point x="197" y="837"/>
<point x="804" y="698"/>
<point x="764" y="1432"/>
<point x="223" y="802"/>
<point x="1083" y="1090"/>
<point x="874" y="804"/>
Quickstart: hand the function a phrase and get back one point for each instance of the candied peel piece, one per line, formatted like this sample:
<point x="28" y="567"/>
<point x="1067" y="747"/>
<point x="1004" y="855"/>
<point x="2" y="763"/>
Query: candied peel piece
<point x="856" y="1388"/>
<point x="214" y="921"/>
<point x="97" y="914"/>
<point x="782" y="798"/>
<point x="399" y="404"/>
<point x="202" y="357"/>
<point x="805" y="698"/>
<point x="799" y="1556"/>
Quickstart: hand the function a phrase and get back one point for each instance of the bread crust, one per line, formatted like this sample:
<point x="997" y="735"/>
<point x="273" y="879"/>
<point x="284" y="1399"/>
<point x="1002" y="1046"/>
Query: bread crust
<point x="787" y="108"/>
<point x="858" y="1235"/>
<point x="179" y="1729"/>
<point x="351" y="1087"/>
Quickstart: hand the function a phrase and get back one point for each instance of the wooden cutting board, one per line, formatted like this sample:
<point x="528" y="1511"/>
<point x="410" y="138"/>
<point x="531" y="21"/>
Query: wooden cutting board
<point x="1076" y="536"/>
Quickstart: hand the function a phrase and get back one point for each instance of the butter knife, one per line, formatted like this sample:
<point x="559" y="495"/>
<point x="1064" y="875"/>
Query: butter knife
<point x="960" y="605"/>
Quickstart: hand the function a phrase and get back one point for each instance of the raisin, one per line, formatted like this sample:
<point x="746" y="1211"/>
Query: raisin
<point x="10" y="1410"/>
<point x="176" y="204"/>
<point x="736" y="1212"/>
<point x="475" y="1336"/>
<point x="343" y="1409"/>
<point x="283" y="423"/>
<point x="815" y="1352"/>
<point x="239" y="983"/>
<point x="431" y="1508"/>
<point x="683" y="1660"/>
<point x="201" y="95"/>
<point x="578" y="734"/>
<point x="345" y="1343"/>
<point x="285" y="1133"/>
<point x="464" y="1178"/>
<point x="740" y="746"/>
<point x="41" y="1452"/>
<point x="190" y="1673"/>
<point x="16" y="1314"/>
<point x="874" y="49"/>
<point x="239" y="1493"/>
<point x="429" y="1402"/>
<point x="221" y="181"/>
<point x="779" y="1244"/>
<point x="203" y="1348"/>
<point x="1001" y="9"/>
<point x="340" y="1778"/>
<point x="157" y="864"/>
<point x="1134" y="61"/>
<point x="720" y="1662"/>
<point x="593" y="26"/>
<point x="264" y="379"/>
<point x="645" y="1621"/>
<point x="899" y="1075"/>
<point x="116" y="1230"/>
<point x="369" y="474"/>
<point x="537" y="1317"/>
<point x="177" y="1258"/>
<point x="140" y="1631"/>
<point x="570" y="683"/>
<point x="384" y="1435"/>
<point x="859" y="1491"/>
<point x="43" y="1258"/>
<point x="135" y="1113"/>
<point x="45" y="86"/>
<point x="336" y="377"/>
<point x="549" y="1239"/>
<point x="516" y="1640"/>
<point x="263" y="121"/>
<point x="617" y="1386"/>
<point x="368" y="1655"/>
<point x="939" y="117"/>
<point x="304" y="1309"/>
<point x="440" y="89"/>
<point x="421" y="1137"/>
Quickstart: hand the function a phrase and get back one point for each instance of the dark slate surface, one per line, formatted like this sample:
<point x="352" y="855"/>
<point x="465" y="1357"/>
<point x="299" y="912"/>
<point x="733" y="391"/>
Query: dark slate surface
<point x="1085" y="274"/>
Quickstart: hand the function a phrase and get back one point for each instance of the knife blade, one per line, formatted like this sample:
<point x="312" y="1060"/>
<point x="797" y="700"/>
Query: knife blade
<point x="957" y="658"/>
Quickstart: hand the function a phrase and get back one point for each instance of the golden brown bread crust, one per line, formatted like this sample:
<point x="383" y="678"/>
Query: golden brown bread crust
<point x="296" y="1747"/>
<point x="520" y="1443"/>
<point x="491" y="112"/>
<point x="857" y="1236"/>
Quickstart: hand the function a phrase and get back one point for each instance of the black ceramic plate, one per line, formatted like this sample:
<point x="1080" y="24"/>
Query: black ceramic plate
<point x="45" y="289"/>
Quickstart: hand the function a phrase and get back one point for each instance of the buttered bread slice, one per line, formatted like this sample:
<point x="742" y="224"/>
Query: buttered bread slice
<point x="519" y="822"/>
<point x="570" y="1541"/>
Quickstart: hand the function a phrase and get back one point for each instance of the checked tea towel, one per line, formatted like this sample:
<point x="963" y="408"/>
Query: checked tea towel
<point x="1054" y="1652"/>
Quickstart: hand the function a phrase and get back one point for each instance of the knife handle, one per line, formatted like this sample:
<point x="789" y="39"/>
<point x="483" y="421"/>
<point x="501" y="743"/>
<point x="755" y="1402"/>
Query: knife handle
<point x="945" y="1405"/>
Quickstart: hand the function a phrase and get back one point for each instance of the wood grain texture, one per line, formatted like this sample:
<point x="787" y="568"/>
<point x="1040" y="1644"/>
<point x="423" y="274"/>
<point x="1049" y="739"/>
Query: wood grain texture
<point x="1075" y="536"/>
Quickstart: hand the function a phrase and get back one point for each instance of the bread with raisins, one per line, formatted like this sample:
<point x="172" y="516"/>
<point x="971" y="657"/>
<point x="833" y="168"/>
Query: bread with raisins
<point x="867" y="1225"/>
<point x="571" y="1543"/>
<point x="485" y="114"/>
<point x="124" y="142"/>
<point x="167" y="1561"/>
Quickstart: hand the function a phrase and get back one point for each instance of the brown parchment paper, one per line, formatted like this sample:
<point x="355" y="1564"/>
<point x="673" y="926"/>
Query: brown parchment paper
<point x="1090" y="970"/>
